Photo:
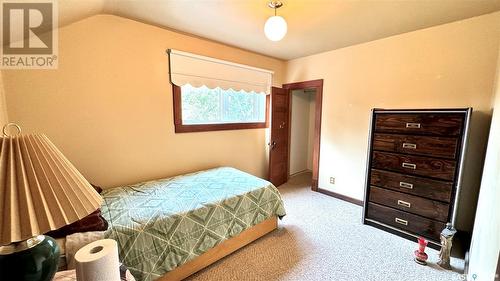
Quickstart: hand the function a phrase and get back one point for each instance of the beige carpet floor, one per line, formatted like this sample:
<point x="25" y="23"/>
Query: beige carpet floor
<point x="322" y="238"/>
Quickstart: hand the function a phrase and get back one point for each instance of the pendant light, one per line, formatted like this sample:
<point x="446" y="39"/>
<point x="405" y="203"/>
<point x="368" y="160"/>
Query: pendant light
<point x="275" y="27"/>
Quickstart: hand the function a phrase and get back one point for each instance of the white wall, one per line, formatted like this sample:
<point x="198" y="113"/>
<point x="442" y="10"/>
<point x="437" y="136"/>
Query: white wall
<point x="310" y="144"/>
<point x="485" y="247"/>
<point x="451" y="65"/>
<point x="299" y="132"/>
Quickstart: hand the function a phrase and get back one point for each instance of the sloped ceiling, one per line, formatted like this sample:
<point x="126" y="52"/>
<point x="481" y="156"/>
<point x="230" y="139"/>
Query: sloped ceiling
<point x="313" y="26"/>
<point x="75" y="10"/>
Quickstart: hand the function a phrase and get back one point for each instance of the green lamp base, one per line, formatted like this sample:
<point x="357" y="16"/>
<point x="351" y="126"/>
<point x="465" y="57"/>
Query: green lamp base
<point x="35" y="259"/>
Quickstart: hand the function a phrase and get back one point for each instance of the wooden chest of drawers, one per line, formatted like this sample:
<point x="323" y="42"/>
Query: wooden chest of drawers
<point x="414" y="170"/>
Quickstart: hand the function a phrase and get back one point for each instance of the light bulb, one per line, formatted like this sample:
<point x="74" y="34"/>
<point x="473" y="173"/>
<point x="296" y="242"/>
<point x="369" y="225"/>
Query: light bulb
<point x="275" y="28"/>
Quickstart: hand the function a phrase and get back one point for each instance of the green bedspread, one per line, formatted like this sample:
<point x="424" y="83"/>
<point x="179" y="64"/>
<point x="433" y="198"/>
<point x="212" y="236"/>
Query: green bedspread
<point x="165" y="223"/>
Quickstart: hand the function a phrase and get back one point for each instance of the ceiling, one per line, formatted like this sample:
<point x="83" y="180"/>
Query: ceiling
<point x="313" y="25"/>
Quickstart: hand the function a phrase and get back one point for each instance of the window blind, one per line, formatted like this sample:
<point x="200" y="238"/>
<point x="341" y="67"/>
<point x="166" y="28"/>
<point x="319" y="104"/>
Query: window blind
<point x="196" y="70"/>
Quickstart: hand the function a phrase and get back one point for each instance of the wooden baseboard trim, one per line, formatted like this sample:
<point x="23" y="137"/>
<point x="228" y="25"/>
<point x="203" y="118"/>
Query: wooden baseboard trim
<point x="223" y="249"/>
<point x="300" y="172"/>
<point x="340" y="196"/>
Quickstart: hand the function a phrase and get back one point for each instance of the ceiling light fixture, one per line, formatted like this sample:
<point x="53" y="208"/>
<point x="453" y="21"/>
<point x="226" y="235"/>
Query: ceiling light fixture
<point x="275" y="27"/>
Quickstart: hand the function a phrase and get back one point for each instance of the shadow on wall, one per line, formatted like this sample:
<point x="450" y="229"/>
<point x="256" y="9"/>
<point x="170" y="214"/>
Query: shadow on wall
<point x="473" y="169"/>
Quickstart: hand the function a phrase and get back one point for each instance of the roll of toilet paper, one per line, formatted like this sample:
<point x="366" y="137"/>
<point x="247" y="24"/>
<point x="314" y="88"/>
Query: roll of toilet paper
<point x="98" y="261"/>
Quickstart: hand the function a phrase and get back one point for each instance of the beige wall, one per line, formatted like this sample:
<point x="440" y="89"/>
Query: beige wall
<point x="485" y="247"/>
<point x="108" y="106"/>
<point x="451" y="65"/>
<point x="3" y="107"/>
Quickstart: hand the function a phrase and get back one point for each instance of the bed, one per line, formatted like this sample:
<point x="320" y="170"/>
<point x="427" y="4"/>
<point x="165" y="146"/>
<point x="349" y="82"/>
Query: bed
<point x="170" y="228"/>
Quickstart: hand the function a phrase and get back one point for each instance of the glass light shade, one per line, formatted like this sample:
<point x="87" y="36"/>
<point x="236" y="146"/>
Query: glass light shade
<point x="275" y="28"/>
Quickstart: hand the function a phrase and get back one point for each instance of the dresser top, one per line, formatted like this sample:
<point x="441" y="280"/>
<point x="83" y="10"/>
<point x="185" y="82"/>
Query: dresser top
<point x="426" y="110"/>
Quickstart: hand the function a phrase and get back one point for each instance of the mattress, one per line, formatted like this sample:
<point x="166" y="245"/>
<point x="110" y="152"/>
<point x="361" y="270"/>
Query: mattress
<point x="162" y="224"/>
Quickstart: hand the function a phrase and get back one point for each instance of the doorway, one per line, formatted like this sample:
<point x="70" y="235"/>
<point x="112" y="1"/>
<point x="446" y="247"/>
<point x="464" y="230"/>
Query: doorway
<point x="289" y="156"/>
<point x="302" y="108"/>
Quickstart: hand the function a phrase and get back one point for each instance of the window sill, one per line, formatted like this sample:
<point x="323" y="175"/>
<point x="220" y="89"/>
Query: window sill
<point x="179" y="128"/>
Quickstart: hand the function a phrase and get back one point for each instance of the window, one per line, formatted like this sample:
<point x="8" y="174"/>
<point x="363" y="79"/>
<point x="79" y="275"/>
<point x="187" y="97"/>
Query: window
<point x="204" y="109"/>
<point x="212" y="94"/>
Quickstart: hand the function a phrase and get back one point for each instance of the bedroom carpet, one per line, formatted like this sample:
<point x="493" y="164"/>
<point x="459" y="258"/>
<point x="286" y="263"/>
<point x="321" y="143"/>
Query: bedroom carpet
<point x="322" y="238"/>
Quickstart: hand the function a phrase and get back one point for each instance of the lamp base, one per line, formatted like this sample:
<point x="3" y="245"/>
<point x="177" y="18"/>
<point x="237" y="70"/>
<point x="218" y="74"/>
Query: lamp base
<point x="35" y="259"/>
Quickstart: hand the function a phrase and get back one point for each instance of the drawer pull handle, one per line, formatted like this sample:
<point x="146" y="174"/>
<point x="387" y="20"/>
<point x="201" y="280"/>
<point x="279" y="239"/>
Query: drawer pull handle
<point x="409" y="145"/>
<point x="406" y="185"/>
<point x="404" y="203"/>
<point x="409" y="166"/>
<point x="413" y="125"/>
<point x="401" y="221"/>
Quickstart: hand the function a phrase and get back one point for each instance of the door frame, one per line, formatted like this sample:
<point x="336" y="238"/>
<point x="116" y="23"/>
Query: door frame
<point x="318" y="86"/>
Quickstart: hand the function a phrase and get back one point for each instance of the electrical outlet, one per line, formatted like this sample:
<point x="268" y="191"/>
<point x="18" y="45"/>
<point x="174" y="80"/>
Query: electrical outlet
<point x="332" y="180"/>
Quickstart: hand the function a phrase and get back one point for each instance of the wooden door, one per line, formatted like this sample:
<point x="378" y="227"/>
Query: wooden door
<point x="278" y="145"/>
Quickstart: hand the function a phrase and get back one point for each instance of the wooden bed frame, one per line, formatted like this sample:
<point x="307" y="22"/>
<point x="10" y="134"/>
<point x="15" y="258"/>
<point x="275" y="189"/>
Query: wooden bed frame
<point x="223" y="249"/>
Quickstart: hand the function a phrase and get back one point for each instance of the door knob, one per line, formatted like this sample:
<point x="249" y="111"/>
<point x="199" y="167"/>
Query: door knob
<point x="272" y="144"/>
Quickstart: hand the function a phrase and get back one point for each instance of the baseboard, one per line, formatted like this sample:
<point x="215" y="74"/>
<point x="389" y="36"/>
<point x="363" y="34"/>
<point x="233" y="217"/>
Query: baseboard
<point x="300" y="172"/>
<point x="340" y="196"/>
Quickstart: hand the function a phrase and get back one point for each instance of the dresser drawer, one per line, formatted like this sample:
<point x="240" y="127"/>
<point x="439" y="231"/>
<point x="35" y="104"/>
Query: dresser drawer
<point x="432" y="189"/>
<point x="418" y="145"/>
<point x="415" y="165"/>
<point x="443" y="124"/>
<point x="405" y="221"/>
<point x="410" y="203"/>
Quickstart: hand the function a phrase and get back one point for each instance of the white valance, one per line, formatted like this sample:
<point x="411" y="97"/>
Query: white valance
<point x="196" y="70"/>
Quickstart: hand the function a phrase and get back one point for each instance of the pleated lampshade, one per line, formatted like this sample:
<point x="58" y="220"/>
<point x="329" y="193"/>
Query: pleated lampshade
<point x="40" y="189"/>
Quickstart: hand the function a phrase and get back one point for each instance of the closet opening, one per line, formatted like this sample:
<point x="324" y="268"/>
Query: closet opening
<point x="305" y="100"/>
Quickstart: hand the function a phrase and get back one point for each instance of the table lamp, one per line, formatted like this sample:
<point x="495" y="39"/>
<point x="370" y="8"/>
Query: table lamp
<point x="40" y="191"/>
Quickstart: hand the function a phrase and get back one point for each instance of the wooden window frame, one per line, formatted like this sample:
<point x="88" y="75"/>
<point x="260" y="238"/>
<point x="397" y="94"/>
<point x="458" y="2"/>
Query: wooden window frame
<point x="181" y="128"/>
